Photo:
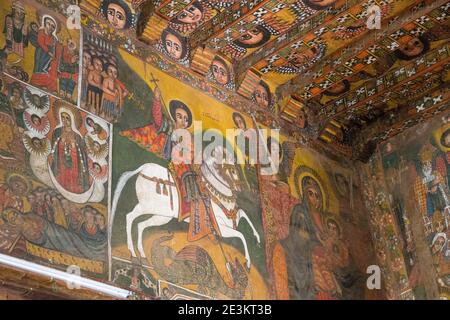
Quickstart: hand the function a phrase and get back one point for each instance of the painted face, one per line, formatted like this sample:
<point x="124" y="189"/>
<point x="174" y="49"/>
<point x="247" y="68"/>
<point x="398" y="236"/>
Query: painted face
<point x="333" y="229"/>
<point x="36" y="100"/>
<point x="36" y="120"/>
<point x="37" y="143"/>
<point x="314" y="197"/>
<point x="412" y="48"/>
<point x="90" y="122"/>
<point x="19" y="15"/>
<point x="14" y="218"/>
<point x="337" y="88"/>
<point x="240" y="123"/>
<point x="34" y="26"/>
<point x="18" y="187"/>
<point x="116" y="16"/>
<point x="301" y="120"/>
<point x="261" y="96"/>
<point x="252" y="36"/>
<point x="174" y="46"/>
<point x="98" y="65"/>
<point x="220" y="72"/>
<point x="439" y="243"/>
<point x="181" y="119"/>
<point x="322" y="3"/>
<point x="16" y="93"/>
<point x="97" y="146"/>
<point x="87" y="59"/>
<point x="191" y="14"/>
<point x="97" y="128"/>
<point x="100" y="220"/>
<point x="71" y="45"/>
<point x="49" y="26"/>
<point x="304" y="57"/>
<point x="447" y="140"/>
<point x="112" y="72"/>
<point x="65" y="120"/>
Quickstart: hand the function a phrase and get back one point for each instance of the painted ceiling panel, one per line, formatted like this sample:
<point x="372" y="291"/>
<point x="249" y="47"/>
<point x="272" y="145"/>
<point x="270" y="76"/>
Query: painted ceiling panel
<point x="308" y="65"/>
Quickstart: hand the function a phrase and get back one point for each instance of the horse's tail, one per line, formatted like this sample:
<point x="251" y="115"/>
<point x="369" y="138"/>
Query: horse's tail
<point x="119" y="188"/>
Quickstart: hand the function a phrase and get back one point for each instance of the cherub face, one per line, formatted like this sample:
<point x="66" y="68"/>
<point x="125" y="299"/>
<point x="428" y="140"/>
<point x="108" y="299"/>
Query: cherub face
<point x="261" y="96"/>
<point x="96" y="146"/>
<point x="36" y="100"/>
<point x="36" y="120"/>
<point x="337" y="88"/>
<point x="252" y="36"/>
<point x="304" y="57"/>
<point x="116" y="16"/>
<point x="322" y="3"/>
<point x="220" y="72"/>
<point x="174" y="46"/>
<point x="190" y="14"/>
<point x="412" y="48"/>
<point x="37" y="143"/>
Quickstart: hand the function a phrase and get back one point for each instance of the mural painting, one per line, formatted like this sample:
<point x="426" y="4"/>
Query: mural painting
<point x="96" y="168"/>
<point x="55" y="172"/>
<point x="204" y="235"/>
<point x="306" y="211"/>
<point x="415" y="167"/>
<point x="38" y="48"/>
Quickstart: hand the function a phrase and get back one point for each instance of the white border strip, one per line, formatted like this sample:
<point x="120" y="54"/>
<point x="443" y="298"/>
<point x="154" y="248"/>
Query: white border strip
<point x="63" y="276"/>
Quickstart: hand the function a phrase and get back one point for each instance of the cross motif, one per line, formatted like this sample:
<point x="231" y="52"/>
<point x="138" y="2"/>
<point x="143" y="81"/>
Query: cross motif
<point x="420" y="107"/>
<point x="437" y="100"/>
<point x="260" y="12"/>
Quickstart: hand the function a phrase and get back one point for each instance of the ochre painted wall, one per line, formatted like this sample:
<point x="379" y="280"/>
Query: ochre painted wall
<point x="88" y="179"/>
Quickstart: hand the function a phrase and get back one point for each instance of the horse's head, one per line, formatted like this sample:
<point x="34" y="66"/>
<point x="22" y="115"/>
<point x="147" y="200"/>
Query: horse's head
<point x="226" y="171"/>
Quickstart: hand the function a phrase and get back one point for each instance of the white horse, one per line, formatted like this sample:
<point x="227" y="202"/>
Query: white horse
<point x="221" y="181"/>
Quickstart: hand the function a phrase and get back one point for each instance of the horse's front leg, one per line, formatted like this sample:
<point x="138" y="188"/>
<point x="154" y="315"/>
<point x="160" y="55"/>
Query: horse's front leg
<point x="241" y="214"/>
<point x="154" y="221"/>
<point x="228" y="232"/>
<point x="129" y="220"/>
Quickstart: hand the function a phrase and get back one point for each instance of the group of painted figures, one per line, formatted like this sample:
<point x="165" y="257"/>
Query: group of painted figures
<point x="102" y="91"/>
<point x="55" y="67"/>
<point x="52" y="176"/>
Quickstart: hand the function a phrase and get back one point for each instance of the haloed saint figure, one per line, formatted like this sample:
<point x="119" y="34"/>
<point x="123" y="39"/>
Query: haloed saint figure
<point x="69" y="163"/>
